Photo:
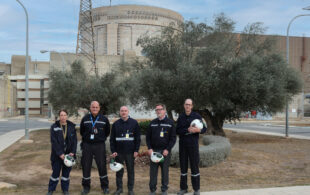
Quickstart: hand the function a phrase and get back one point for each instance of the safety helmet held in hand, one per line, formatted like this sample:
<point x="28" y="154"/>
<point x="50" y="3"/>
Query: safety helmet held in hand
<point x="157" y="157"/>
<point x="69" y="161"/>
<point x="115" y="166"/>
<point x="197" y="123"/>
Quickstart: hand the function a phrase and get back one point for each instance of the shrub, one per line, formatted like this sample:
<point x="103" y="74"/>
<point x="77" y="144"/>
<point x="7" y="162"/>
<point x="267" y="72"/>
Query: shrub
<point x="215" y="149"/>
<point x="144" y="125"/>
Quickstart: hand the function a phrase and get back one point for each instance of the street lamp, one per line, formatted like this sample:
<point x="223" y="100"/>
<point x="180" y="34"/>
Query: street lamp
<point x="26" y="78"/>
<point x="62" y="57"/>
<point x="287" y="59"/>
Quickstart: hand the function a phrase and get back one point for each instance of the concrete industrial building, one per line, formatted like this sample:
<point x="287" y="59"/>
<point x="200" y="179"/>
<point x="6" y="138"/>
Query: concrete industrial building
<point x="117" y="29"/>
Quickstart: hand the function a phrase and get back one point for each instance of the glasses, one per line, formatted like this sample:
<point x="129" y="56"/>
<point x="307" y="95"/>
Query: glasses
<point x="188" y="104"/>
<point x="159" y="109"/>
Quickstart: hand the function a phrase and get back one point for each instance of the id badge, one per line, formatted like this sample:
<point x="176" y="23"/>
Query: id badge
<point x="161" y="134"/>
<point x="127" y="135"/>
<point x="92" y="136"/>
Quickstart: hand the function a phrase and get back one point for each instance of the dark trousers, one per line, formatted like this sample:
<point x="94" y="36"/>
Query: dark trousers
<point x="96" y="150"/>
<point x="57" y="166"/>
<point x="191" y="153"/>
<point x="164" y="174"/>
<point x="129" y="160"/>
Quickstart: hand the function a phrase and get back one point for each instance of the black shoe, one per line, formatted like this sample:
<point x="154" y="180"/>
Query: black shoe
<point x="118" y="192"/>
<point x="106" y="191"/>
<point x="182" y="192"/>
<point x="130" y="192"/>
<point x="66" y="192"/>
<point x="49" y="193"/>
<point x="85" y="191"/>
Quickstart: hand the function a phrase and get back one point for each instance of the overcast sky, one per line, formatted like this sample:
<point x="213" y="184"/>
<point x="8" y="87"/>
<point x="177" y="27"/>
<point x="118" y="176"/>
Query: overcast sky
<point x="53" y="24"/>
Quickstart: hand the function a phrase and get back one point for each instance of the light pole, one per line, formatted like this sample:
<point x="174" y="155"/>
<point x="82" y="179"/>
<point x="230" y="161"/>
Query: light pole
<point x="287" y="59"/>
<point x="62" y="57"/>
<point x="26" y="78"/>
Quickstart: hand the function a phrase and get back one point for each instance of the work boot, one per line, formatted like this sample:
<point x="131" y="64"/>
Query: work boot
<point x="85" y="191"/>
<point x="106" y="191"/>
<point x="197" y="192"/>
<point x="118" y="192"/>
<point x="182" y="192"/>
<point x="130" y="192"/>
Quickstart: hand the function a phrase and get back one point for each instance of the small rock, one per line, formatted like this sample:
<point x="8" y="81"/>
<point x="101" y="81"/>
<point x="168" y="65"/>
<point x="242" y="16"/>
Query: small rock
<point x="4" y="185"/>
<point x="24" y="141"/>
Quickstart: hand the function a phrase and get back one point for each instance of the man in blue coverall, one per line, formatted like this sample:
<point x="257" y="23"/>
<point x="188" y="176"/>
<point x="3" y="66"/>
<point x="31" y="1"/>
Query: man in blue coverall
<point x="94" y="129"/>
<point x="125" y="142"/>
<point x="189" y="147"/>
<point x="160" y="138"/>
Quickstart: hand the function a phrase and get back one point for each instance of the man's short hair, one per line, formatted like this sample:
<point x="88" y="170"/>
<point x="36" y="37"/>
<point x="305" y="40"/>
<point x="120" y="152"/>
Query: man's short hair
<point x="162" y="105"/>
<point x="94" y="102"/>
<point x="189" y="99"/>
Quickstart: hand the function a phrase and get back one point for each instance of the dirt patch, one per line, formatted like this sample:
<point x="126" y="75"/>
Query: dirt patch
<point x="256" y="161"/>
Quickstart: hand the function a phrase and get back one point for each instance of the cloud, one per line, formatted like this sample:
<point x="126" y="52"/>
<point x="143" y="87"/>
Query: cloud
<point x="6" y="36"/>
<point x="8" y="15"/>
<point x="53" y="24"/>
<point x="271" y="13"/>
<point x="59" y="31"/>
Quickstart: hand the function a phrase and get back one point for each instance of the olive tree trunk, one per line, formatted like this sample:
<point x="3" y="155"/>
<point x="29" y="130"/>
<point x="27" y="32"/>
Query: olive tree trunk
<point x="214" y="122"/>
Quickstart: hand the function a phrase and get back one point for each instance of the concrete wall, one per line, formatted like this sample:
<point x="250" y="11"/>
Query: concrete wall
<point x="105" y="63"/>
<point x="18" y="64"/>
<point x="5" y="69"/>
<point x="39" y="67"/>
<point x="299" y="56"/>
<point x="7" y="97"/>
<point x="3" y="96"/>
<point x="35" y="67"/>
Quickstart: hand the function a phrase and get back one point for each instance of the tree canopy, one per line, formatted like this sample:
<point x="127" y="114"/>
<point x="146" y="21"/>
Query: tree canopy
<point x="76" y="89"/>
<point x="225" y="73"/>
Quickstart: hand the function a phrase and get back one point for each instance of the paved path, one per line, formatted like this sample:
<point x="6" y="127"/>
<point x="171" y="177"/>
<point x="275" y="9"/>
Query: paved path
<point x="269" y="128"/>
<point x="7" y="125"/>
<point x="294" y="190"/>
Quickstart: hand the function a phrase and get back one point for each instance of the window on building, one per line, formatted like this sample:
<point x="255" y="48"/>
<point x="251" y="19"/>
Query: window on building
<point x="36" y="67"/>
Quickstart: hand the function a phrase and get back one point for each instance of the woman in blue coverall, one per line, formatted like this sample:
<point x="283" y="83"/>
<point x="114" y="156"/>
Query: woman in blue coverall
<point x="63" y="141"/>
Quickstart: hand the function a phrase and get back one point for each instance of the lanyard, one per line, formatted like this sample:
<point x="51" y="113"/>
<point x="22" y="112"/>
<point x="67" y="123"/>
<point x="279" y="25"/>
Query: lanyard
<point x="64" y="131"/>
<point x="93" y="123"/>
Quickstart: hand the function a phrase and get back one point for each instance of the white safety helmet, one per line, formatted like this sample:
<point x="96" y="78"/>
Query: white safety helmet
<point x="157" y="157"/>
<point x="69" y="161"/>
<point x="197" y="123"/>
<point x="115" y="166"/>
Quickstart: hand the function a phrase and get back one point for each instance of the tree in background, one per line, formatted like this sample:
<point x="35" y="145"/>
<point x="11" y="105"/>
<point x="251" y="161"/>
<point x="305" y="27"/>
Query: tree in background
<point x="75" y="89"/>
<point x="224" y="73"/>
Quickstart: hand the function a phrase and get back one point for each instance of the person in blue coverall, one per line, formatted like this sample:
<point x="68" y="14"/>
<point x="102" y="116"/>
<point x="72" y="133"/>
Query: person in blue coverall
<point x="94" y="129"/>
<point x="125" y="143"/>
<point x="161" y="138"/>
<point x="63" y="141"/>
<point x="189" y="147"/>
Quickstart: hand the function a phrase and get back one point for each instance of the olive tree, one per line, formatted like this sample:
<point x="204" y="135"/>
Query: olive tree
<point x="76" y="88"/>
<point x="225" y="73"/>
